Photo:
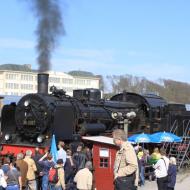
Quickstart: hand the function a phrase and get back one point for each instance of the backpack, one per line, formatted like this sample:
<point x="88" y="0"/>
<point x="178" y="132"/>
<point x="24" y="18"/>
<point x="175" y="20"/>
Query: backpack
<point x="53" y="175"/>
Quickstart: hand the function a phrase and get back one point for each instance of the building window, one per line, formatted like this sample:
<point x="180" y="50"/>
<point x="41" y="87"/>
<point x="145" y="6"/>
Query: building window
<point x="11" y="86"/>
<point x="103" y="162"/>
<point x="54" y="79"/>
<point x="80" y="81"/>
<point x="27" y="77"/>
<point x="11" y="76"/>
<point x="104" y="157"/>
<point x="26" y="86"/>
<point x="67" y="81"/>
<point x="88" y="82"/>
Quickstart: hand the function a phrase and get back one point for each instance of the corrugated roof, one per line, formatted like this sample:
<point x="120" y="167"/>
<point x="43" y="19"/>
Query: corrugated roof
<point x="15" y="67"/>
<point x="81" y="73"/>
<point x="101" y="139"/>
<point x="85" y="74"/>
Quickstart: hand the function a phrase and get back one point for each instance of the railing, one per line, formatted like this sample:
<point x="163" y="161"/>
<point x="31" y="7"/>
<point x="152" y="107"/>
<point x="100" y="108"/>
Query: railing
<point x="181" y="151"/>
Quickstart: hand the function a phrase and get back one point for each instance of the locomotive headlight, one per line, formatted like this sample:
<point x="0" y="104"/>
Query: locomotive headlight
<point x="26" y="103"/>
<point x="7" y="137"/>
<point x="40" y="139"/>
<point x="116" y="115"/>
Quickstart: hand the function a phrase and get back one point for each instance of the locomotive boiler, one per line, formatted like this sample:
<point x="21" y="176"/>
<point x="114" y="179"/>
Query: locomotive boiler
<point x="37" y="116"/>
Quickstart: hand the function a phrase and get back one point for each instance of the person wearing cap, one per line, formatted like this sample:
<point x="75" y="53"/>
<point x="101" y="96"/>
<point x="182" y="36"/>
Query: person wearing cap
<point x="83" y="177"/>
<point x="31" y="178"/>
<point x="60" y="185"/>
<point x="23" y="168"/>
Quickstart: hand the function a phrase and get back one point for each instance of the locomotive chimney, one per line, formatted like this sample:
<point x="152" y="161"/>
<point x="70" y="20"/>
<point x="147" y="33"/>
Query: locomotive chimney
<point x="43" y="83"/>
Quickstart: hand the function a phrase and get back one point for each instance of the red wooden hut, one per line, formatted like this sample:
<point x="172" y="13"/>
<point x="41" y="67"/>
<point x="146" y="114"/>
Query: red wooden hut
<point x="103" y="161"/>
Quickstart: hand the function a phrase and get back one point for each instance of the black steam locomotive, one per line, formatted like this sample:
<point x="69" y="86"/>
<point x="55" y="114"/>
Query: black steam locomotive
<point x="37" y="116"/>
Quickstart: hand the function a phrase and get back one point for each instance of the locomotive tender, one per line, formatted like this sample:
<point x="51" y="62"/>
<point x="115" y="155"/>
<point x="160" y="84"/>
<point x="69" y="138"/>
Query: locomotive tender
<point x="37" y="116"/>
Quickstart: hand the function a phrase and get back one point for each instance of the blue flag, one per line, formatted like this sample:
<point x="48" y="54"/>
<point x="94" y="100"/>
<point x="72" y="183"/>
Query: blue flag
<point x="53" y="149"/>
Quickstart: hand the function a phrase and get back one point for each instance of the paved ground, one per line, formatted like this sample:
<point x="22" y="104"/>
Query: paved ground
<point x="183" y="182"/>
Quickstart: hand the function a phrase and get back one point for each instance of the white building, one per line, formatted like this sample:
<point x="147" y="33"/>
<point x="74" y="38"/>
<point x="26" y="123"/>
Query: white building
<point x="21" y="79"/>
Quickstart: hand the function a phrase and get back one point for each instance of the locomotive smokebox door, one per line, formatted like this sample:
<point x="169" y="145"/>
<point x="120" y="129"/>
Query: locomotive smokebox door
<point x="63" y="123"/>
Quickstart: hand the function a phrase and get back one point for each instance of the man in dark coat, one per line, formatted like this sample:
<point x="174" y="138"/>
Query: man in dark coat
<point x="79" y="158"/>
<point x="172" y="172"/>
<point x="36" y="157"/>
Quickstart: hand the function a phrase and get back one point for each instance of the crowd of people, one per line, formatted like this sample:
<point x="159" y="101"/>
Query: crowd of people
<point x="131" y="162"/>
<point x="31" y="171"/>
<point x="158" y="167"/>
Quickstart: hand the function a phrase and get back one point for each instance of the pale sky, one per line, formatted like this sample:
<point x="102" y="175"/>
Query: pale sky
<point x="146" y="38"/>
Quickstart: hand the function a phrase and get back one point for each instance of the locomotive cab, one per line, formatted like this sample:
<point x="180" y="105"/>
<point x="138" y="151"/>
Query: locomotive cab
<point x="151" y="116"/>
<point x="89" y="94"/>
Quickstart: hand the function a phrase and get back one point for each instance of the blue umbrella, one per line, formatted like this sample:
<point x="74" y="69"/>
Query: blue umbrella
<point x="140" y="138"/>
<point x="164" y="137"/>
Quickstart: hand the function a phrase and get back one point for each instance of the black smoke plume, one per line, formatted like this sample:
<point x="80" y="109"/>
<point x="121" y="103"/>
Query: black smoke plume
<point x="49" y="29"/>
